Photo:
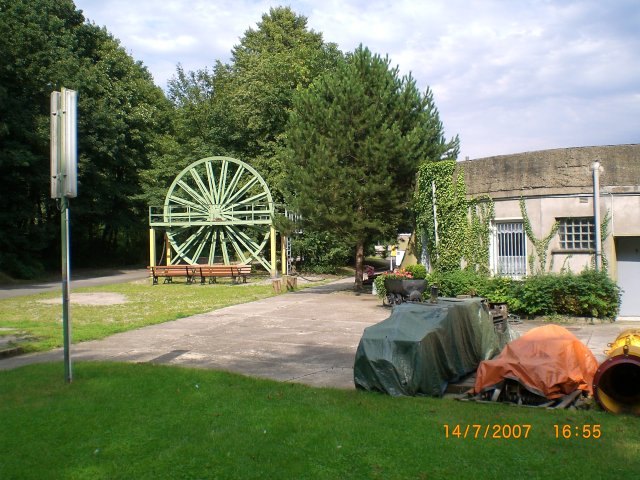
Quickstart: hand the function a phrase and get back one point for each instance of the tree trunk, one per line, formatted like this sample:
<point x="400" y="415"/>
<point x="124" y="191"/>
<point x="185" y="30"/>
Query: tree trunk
<point x="359" y="265"/>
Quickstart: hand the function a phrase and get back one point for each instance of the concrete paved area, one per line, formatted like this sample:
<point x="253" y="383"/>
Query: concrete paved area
<point x="596" y="335"/>
<point x="309" y="336"/>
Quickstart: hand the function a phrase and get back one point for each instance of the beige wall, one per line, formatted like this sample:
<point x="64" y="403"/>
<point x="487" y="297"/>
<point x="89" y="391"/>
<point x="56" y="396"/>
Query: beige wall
<point x="626" y="213"/>
<point x="543" y="212"/>
<point x="559" y="183"/>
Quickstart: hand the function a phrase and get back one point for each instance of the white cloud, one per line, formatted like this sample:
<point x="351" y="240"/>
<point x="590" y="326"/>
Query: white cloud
<point x="164" y="43"/>
<point x="506" y="76"/>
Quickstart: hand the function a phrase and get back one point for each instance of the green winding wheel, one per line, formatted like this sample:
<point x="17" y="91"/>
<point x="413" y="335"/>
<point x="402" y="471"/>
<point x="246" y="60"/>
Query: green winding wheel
<point x="218" y="210"/>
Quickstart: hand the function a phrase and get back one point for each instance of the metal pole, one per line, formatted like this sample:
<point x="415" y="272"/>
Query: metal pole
<point x="596" y="212"/>
<point x="274" y="267"/>
<point x="152" y="247"/>
<point x="435" y="213"/>
<point x="66" y="274"/>
<point x="283" y="254"/>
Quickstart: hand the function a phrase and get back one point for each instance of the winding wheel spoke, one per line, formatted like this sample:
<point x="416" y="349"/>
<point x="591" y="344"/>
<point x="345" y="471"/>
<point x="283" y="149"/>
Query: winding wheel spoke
<point x="216" y="210"/>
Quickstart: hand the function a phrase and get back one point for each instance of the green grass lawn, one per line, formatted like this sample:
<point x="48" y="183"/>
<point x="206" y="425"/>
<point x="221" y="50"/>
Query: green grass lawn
<point x="146" y="305"/>
<point x="139" y="421"/>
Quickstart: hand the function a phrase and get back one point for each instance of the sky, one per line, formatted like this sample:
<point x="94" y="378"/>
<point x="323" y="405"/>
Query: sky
<point x="508" y="76"/>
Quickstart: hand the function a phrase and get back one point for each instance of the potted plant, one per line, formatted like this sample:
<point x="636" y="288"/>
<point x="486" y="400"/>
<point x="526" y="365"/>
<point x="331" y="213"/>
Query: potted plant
<point x="402" y="284"/>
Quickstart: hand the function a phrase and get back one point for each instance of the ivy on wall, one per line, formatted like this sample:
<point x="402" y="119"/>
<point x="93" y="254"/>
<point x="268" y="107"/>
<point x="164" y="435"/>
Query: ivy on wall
<point x="462" y="226"/>
<point x="540" y="245"/>
<point x="604" y="234"/>
<point x="481" y="213"/>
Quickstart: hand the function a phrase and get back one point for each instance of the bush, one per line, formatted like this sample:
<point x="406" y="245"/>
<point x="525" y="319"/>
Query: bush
<point x="321" y="252"/>
<point x="459" y="282"/>
<point x="418" y="272"/>
<point x="536" y="294"/>
<point x="20" y="268"/>
<point x="589" y="294"/>
<point x="502" y="290"/>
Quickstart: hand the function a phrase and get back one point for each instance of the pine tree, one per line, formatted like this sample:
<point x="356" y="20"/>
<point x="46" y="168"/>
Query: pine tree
<point x="355" y="139"/>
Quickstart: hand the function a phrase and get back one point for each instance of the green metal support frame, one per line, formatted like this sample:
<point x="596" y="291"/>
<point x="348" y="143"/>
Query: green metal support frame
<point x="217" y="210"/>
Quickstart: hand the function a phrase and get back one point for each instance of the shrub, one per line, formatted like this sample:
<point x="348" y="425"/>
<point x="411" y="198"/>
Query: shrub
<point x="589" y="294"/>
<point x="536" y="294"/>
<point x="419" y="272"/>
<point x="459" y="282"/>
<point x="321" y="252"/>
<point x="502" y="290"/>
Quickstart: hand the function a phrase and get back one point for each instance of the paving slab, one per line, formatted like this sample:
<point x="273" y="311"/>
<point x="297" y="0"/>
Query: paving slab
<point x="596" y="334"/>
<point x="309" y="336"/>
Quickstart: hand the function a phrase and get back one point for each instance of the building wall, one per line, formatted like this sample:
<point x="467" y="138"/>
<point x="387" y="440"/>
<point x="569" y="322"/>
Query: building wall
<point x="549" y="172"/>
<point x="559" y="183"/>
<point x="542" y="213"/>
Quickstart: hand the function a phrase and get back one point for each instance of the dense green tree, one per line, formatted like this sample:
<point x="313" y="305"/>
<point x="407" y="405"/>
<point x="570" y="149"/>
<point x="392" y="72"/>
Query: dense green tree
<point x="34" y="39"/>
<point x="241" y="108"/>
<point x="45" y="45"/>
<point x="122" y="119"/>
<point x="198" y="129"/>
<point x="356" y="137"/>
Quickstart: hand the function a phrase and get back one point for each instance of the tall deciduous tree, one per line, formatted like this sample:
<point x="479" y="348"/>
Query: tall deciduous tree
<point x="241" y="108"/>
<point x="355" y="139"/>
<point x="122" y="116"/>
<point x="35" y="38"/>
<point x="45" y="45"/>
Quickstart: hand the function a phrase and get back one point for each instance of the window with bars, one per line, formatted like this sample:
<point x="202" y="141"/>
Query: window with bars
<point x="509" y="249"/>
<point x="576" y="233"/>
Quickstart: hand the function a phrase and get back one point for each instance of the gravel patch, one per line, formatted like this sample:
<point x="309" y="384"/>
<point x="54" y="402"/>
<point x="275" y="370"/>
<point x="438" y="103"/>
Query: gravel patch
<point x="96" y="299"/>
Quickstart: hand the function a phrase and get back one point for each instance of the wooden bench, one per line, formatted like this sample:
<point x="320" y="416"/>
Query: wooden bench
<point x="212" y="272"/>
<point x="170" y="271"/>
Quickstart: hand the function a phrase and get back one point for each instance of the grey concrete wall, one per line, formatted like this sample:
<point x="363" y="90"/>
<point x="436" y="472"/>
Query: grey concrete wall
<point x="550" y="172"/>
<point x="559" y="183"/>
<point x="543" y="212"/>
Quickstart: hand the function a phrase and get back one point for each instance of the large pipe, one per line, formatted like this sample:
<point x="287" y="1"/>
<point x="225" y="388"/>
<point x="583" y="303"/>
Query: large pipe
<point x="616" y="384"/>
<point x="596" y="213"/>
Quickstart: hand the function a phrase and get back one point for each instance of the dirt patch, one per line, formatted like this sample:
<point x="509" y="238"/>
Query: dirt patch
<point x="96" y="299"/>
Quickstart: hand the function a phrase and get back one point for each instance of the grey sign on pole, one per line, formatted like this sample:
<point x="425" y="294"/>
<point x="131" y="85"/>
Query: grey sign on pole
<point x="56" y="190"/>
<point x="64" y="168"/>
<point x="64" y="144"/>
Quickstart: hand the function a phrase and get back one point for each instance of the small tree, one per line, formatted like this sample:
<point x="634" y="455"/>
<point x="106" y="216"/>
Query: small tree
<point x="355" y="139"/>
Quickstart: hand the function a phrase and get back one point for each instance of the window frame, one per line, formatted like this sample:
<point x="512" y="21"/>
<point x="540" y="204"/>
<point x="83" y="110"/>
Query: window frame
<point x="516" y="266"/>
<point x="569" y="228"/>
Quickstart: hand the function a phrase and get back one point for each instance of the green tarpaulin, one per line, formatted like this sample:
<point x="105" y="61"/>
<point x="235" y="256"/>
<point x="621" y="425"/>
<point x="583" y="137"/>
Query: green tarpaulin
<point x="422" y="347"/>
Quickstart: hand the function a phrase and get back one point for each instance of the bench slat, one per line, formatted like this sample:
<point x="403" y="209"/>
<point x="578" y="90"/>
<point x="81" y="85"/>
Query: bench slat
<point x="214" y="271"/>
<point x="206" y="271"/>
<point x="170" y="271"/>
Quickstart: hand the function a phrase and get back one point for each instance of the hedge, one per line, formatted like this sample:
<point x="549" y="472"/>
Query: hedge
<point x="588" y="294"/>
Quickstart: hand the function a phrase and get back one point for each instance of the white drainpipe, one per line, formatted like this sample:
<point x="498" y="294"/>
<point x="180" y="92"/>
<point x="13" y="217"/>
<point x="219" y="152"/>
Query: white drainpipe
<point x="596" y="212"/>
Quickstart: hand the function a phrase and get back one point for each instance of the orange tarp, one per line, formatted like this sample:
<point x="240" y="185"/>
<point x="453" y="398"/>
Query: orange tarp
<point x="549" y="361"/>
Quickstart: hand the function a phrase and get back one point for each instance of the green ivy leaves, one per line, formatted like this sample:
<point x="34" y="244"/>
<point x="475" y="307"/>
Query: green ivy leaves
<point x="459" y="231"/>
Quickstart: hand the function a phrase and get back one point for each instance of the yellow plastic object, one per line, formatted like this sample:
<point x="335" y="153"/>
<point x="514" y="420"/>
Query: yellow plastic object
<point x="616" y="384"/>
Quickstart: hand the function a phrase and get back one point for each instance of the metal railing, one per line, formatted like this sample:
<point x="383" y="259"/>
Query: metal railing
<point x="179" y="215"/>
<point x="510" y="249"/>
